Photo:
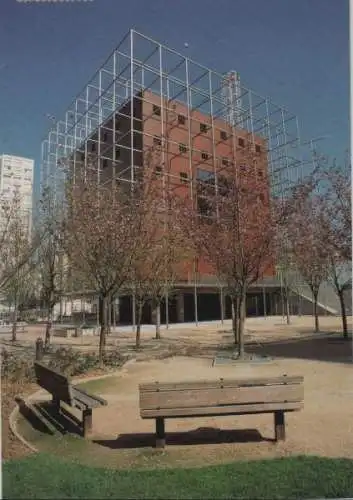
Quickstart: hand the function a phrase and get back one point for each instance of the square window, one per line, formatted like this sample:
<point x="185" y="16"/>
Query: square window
<point x="204" y="155"/>
<point x="183" y="177"/>
<point x="225" y="162"/>
<point x="241" y="142"/>
<point x="156" y="110"/>
<point x="157" y="140"/>
<point x="182" y="148"/>
<point x="203" y="127"/>
<point x="257" y="148"/>
<point x="181" y="119"/>
<point x="223" y="135"/>
<point x="158" y="170"/>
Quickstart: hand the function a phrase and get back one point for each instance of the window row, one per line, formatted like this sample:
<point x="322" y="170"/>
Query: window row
<point x="157" y="141"/>
<point x="204" y="176"/>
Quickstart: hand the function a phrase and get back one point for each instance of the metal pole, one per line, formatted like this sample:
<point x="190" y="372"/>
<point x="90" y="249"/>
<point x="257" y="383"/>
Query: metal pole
<point x="132" y="176"/>
<point x="195" y="296"/>
<point x="133" y="313"/>
<point x="222" y="303"/>
<point x="264" y="301"/>
<point x="167" y="309"/>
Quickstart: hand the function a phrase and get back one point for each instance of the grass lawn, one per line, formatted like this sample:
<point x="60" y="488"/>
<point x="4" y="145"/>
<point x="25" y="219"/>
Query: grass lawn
<point x="45" y="476"/>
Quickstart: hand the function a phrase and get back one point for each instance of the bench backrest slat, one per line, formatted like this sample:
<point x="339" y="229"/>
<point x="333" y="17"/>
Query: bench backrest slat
<point x="219" y="393"/>
<point x="54" y="382"/>
<point x="214" y="384"/>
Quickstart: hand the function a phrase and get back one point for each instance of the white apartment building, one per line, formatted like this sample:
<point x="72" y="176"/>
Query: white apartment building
<point x="16" y="176"/>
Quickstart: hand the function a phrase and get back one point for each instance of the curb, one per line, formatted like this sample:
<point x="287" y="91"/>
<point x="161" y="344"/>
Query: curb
<point x="14" y="414"/>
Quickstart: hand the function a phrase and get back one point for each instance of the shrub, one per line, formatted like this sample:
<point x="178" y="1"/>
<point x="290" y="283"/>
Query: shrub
<point x="17" y="366"/>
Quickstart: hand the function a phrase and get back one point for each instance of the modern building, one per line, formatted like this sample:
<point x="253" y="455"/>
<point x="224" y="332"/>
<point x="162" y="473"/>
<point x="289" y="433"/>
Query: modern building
<point x="16" y="179"/>
<point x="147" y="95"/>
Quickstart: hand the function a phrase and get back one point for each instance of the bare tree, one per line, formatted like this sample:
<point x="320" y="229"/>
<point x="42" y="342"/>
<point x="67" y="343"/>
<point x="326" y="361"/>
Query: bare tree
<point x="17" y="244"/>
<point x="51" y="256"/>
<point x="157" y="220"/>
<point x="234" y="230"/>
<point x="101" y="240"/>
<point x="309" y="248"/>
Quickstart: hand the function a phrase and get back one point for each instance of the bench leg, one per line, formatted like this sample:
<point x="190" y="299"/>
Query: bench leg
<point x="160" y="433"/>
<point x="87" y="422"/>
<point x="280" y="432"/>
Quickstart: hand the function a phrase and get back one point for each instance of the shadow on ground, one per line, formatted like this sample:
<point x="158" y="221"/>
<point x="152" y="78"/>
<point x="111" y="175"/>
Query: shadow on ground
<point x="44" y="418"/>
<point x="324" y="348"/>
<point x="202" y="435"/>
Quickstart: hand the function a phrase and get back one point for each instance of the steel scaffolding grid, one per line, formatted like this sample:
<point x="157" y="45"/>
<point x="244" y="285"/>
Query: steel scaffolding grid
<point x="138" y="65"/>
<point x="142" y="69"/>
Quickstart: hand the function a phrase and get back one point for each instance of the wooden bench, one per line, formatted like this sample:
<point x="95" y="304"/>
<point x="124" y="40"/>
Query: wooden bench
<point x="61" y="389"/>
<point x="221" y="397"/>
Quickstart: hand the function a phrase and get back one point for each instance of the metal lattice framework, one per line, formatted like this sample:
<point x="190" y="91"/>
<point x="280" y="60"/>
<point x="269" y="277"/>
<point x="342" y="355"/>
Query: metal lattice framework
<point x="140" y="64"/>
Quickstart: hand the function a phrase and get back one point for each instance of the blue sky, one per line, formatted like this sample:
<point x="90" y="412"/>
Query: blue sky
<point x="295" y="51"/>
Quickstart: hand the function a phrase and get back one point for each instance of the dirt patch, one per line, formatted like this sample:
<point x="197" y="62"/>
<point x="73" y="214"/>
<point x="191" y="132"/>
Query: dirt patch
<point x="324" y="427"/>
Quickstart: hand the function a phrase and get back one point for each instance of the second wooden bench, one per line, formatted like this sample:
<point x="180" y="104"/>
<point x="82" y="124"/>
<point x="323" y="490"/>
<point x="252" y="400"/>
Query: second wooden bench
<point x="221" y="397"/>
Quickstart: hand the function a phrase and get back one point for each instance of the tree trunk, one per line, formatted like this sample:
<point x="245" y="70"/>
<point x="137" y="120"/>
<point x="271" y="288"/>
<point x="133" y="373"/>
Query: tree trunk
<point x="48" y="327"/>
<point x="316" y="314"/>
<point x="138" y="324"/>
<point x="235" y="322"/>
<point x="109" y="316"/>
<point x="103" y="331"/>
<point x="158" y="320"/>
<point x="343" y="314"/>
<point x="241" y="316"/>
<point x="14" y="323"/>
<point x="286" y="297"/>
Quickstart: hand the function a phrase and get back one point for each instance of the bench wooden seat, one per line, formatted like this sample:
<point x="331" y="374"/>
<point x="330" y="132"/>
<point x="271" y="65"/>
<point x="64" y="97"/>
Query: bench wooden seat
<point x="221" y="397"/>
<point x="61" y="389"/>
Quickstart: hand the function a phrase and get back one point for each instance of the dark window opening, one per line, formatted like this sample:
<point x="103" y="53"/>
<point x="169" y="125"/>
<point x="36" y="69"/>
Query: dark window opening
<point x="203" y="127"/>
<point x="183" y="177"/>
<point x="182" y="148"/>
<point x="156" y="110"/>
<point x="181" y="119"/>
<point x="242" y="168"/>
<point x="158" y="170"/>
<point x="105" y="163"/>
<point x="117" y="153"/>
<point x="223" y="135"/>
<point x="157" y="140"/>
<point x="257" y="148"/>
<point x="225" y="162"/>
<point x="204" y="155"/>
<point x="241" y="142"/>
